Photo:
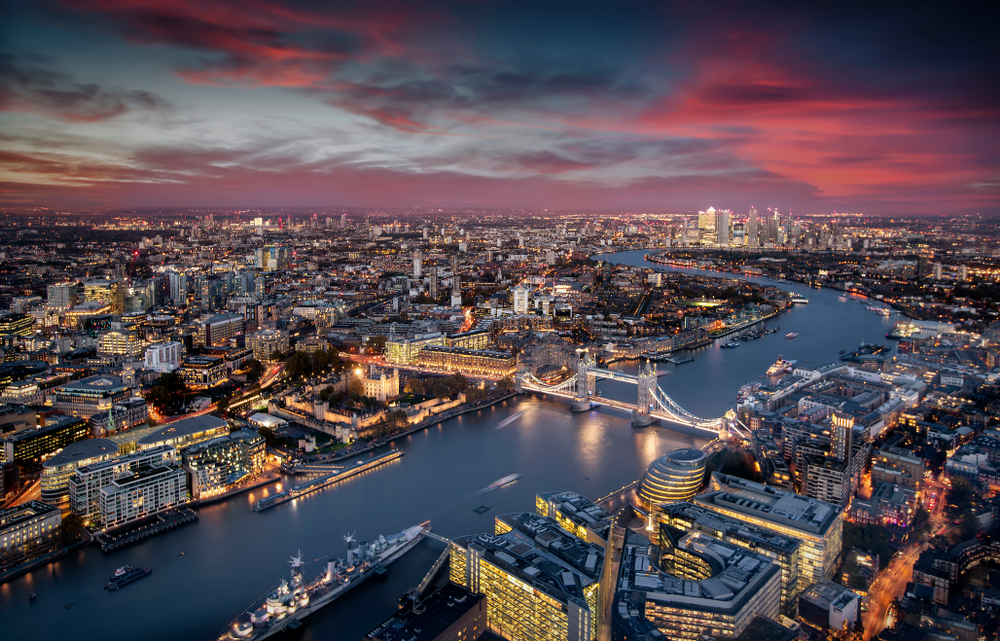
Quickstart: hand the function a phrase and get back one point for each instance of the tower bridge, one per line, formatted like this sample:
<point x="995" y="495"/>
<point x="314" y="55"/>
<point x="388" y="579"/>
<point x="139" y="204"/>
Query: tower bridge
<point x="652" y="403"/>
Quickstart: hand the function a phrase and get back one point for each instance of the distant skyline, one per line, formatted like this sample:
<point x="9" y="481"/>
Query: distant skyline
<point x="883" y="109"/>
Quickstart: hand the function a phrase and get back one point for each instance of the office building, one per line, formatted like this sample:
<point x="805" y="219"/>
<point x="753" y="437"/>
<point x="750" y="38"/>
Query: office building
<point x="78" y="315"/>
<point x="219" y="464"/>
<point x="57" y="471"/>
<point x="16" y="323"/>
<point x="164" y="357"/>
<point x="471" y="362"/>
<point x="61" y="296"/>
<point x="124" y="343"/>
<point x="782" y="550"/>
<point x="576" y="514"/>
<point x="28" y="445"/>
<point x="540" y="582"/>
<point x="450" y="613"/>
<point x="475" y="339"/>
<point x="722" y="227"/>
<point x="693" y="584"/>
<point x="85" y="485"/>
<point x="185" y="432"/>
<point x="817" y="525"/>
<point x="829" y="606"/>
<point x="675" y="476"/>
<point x="522" y="299"/>
<point x="273" y="258"/>
<point x="124" y="415"/>
<point x="89" y="396"/>
<point x="109" y="292"/>
<point x="26" y="392"/>
<point x="773" y="466"/>
<point x="27" y="528"/>
<point x="203" y="372"/>
<point x="218" y="330"/>
<point x="706" y="225"/>
<point x="141" y="492"/>
<point x="405" y="351"/>
<point x="268" y="345"/>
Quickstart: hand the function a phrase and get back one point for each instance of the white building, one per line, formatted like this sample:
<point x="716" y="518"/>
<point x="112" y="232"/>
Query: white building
<point x="87" y="481"/>
<point x="164" y="357"/>
<point x="141" y="493"/>
<point x="62" y="296"/>
<point x="522" y="300"/>
<point x="380" y="385"/>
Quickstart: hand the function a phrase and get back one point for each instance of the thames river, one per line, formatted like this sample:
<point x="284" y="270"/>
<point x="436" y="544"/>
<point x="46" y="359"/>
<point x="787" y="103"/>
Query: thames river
<point x="233" y="555"/>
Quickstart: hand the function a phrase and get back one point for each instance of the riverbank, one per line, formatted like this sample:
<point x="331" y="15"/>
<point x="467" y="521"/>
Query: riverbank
<point x="38" y="562"/>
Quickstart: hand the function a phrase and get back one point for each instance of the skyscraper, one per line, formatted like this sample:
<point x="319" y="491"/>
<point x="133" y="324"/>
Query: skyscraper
<point x="417" y="262"/>
<point x="753" y="229"/>
<point x="722" y="220"/>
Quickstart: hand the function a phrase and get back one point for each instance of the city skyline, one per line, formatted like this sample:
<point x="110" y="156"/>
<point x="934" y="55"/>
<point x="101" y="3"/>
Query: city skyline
<point x="882" y="110"/>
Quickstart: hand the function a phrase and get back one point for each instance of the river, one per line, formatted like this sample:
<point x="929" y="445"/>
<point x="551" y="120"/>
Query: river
<point x="233" y="555"/>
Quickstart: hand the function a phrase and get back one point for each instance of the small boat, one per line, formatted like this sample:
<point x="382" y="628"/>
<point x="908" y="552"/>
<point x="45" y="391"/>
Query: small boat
<point x="791" y="334"/>
<point x="842" y="351"/>
<point x="32" y="596"/>
<point x="124" y="575"/>
<point x="842" y="299"/>
<point x="730" y="345"/>
<point x="507" y="480"/>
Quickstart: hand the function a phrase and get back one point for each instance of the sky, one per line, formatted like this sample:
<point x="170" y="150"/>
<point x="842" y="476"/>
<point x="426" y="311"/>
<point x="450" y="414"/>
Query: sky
<point x="885" y="109"/>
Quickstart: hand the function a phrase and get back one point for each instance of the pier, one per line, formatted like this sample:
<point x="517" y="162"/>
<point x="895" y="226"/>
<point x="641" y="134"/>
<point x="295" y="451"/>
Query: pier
<point x="323" y="481"/>
<point x="133" y="534"/>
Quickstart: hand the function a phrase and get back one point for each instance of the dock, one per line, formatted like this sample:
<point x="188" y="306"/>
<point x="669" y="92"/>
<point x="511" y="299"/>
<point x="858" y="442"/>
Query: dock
<point x="326" y="480"/>
<point x="133" y="534"/>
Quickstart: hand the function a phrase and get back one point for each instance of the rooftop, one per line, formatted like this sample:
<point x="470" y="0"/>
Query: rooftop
<point x="81" y="451"/>
<point x="183" y="428"/>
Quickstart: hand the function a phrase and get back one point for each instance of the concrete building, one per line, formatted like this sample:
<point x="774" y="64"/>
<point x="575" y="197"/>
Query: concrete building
<point x="124" y="415"/>
<point x="142" y="492"/>
<point x="829" y="606"/>
<point x="817" y="525"/>
<point x="470" y="362"/>
<point x="28" y="445"/>
<point x="109" y="292"/>
<point x="405" y="351"/>
<point x="218" y="330"/>
<point x="164" y="357"/>
<point x="780" y="549"/>
<point x="26" y="392"/>
<point x="185" y="433"/>
<point x="692" y="584"/>
<point x="268" y="345"/>
<point x="61" y="296"/>
<point x="203" y="372"/>
<point x="576" y="514"/>
<point x="57" y="471"/>
<point x="221" y="463"/>
<point x="26" y="528"/>
<point x="540" y="582"/>
<point x="89" y="396"/>
<point x="85" y="485"/>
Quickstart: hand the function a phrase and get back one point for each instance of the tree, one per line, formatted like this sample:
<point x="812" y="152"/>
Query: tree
<point x="222" y="405"/>
<point x="355" y="387"/>
<point x="376" y="345"/>
<point x="268" y="435"/>
<point x="960" y="497"/>
<point x="920" y="520"/>
<point x="254" y="368"/>
<point x="969" y="526"/>
<point x="71" y="527"/>
<point x="299" y="365"/>
<point x="463" y="382"/>
<point x="415" y="385"/>
<point x="441" y="390"/>
<point x="506" y="383"/>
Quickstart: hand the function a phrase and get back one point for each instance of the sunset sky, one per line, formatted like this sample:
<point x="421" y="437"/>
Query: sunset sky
<point x="887" y="109"/>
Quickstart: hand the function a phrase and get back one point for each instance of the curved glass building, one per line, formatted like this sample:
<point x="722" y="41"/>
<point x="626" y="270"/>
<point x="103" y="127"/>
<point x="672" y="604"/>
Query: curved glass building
<point x="675" y="476"/>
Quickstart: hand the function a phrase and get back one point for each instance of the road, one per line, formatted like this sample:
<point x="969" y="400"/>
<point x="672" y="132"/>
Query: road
<point x="266" y="381"/>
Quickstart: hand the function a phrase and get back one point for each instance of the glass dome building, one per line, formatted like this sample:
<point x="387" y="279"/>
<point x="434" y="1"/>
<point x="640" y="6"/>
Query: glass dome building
<point x="675" y="476"/>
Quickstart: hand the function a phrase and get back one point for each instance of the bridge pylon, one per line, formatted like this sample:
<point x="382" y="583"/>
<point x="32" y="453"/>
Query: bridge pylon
<point x="586" y="382"/>
<point x="646" y="388"/>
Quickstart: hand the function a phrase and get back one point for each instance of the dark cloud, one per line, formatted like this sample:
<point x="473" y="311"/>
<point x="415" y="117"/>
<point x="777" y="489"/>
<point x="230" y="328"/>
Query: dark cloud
<point x="32" y="88"/>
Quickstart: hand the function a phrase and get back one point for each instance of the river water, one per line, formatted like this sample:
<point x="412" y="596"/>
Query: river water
<point x="233" y="555"/>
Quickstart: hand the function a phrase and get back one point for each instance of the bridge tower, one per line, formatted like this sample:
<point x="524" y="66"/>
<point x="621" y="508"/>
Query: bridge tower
<point x="586" y="382"/>
<point x="646" y="386"/>
<point x="522" y="371"/>
<point x="728" y="421"/>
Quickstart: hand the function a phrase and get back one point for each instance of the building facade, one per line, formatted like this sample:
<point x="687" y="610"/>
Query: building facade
<point x="85" y="485"/>
<point x="219" y="464"/>
<point x="89" y="396"/>
<point x="141" y="492"/>
<point x="26" y="528"/>
<point x="470" y="362"/>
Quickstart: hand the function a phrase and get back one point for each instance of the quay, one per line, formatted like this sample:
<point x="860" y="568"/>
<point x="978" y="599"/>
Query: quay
<point x="133" y="534"/>
<point x="323" y="481"/>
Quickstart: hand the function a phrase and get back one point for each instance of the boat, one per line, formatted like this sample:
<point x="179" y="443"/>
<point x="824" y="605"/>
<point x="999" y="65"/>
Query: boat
<point x="882" y="311"/>
<point x="510" y="419"/>
<point x="507" y="480"/>
<point x="842" y="299"/>
<point x="781" y="366"/>
<point x="125" y="575"/>
<point x="842" y="351"/>
<point x="295" y="599"/>
<point x="791" y="334"/>
<point x="730" y="345"/>
<point x="32" y="596"/>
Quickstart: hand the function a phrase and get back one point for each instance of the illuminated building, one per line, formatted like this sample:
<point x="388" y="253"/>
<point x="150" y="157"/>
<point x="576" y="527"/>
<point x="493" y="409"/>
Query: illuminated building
<point x="888" y="505"/>
<point x="219" y="329"/>
<point x="268" y="345"/>
<point x="57" y="470"/>
<point x="773" y="467"/>
<point x="221" y="463"/>
<point x="780" y="549"/>
<point x="381" y="385"/>
<point x="164" y="357"/>
<point x="89" y="396"/>
<point x="691" y="584"/>
<point x="829" y="606"/>
<point x="76" y="316"/>
<point x="450" y="613"/>
<point x="817" y="525"/>
<point x="540" y="582"/>
<point x="142" y="492"/>
<point x="522" y="299"/>
<point x="185" y="432"/>
<point x="675" y="476"/>
<point x="405" y="351"/>
<point x="576" y="514"/>
<point x="120" y="342"/>
<point x="16" y="323"/>
<point x="203" y="372"/>
<point x="26" y="446"/>
<point x="273" y="258"/>
<point x="471" y="362"/>
<point x="87" y="481"/>
<point x="26" y="527"/>
<point x="61" y="296"/>
<point x="110" y="292"/>
<point x="476" y="339"/>
<point x="124" y="415"/>
<point x="25" y="392"/>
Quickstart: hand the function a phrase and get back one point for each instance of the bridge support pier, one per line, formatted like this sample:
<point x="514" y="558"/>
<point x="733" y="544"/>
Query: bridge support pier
<point x="641" y="420"/>
<point x="580" y="405"/>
